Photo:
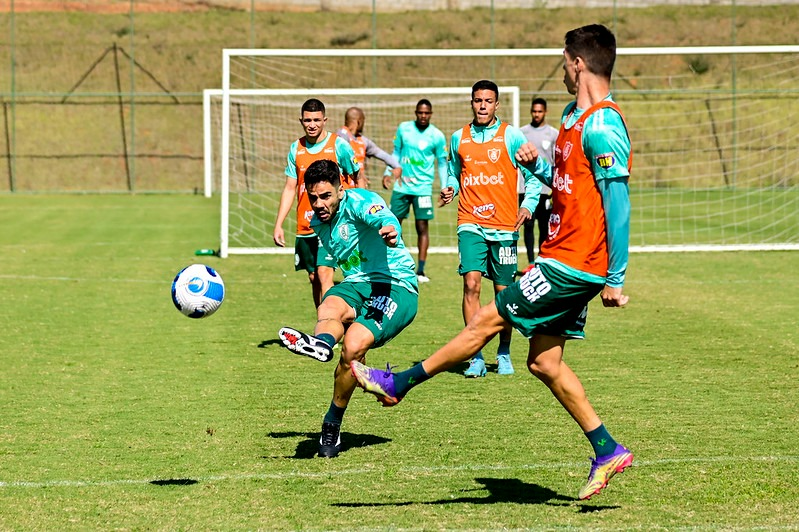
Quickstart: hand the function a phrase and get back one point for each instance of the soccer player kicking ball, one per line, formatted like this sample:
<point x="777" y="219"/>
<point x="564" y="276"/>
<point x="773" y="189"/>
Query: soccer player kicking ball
<point x="378" y="297"/>
<point x="585" y="254"/>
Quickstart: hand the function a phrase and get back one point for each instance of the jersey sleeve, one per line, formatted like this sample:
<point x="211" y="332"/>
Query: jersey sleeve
<point x="346" y="157"/>
<point x="514" y="139"/>
<point x="606" y="144"/>
<point x="291" y="161"/>
<point x="454" y="165"/>
<point x="616" y="202"/>
<point x="441" y="156"/>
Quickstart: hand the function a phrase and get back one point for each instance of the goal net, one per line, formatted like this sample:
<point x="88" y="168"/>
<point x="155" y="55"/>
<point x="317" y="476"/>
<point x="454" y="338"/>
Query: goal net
<point x="715" y="153"/>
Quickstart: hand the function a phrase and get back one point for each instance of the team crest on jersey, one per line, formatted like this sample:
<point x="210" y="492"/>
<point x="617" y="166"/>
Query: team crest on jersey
<point x="374" y="209"/>
<point x="578" y="126"/>
<point x="606" y="160"/>
<point x="344" y="232"/>
<point x="422" y="144"/>
<point x="567" y="150"/>
<point x="493" y="154"/>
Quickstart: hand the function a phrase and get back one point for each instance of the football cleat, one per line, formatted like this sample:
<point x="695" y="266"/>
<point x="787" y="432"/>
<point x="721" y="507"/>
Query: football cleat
<point x="376" y="381"/>
<point x="303" y="344"/>
<point x="504" y="365"/>
<point x="603" y="469"/>
<point x="477" y="368"/>
<point x="330" y="440"/>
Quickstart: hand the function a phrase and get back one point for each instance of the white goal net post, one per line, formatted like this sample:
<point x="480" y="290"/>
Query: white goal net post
<point x="716" y="156"/>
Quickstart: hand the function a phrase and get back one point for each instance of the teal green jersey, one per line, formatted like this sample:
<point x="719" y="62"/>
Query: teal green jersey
<point x="420" y="153"/>
<point x="344" y="155"/>
<point x="352" y="238"/>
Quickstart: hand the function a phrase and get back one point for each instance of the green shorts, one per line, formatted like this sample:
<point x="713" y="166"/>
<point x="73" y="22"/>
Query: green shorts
<point x="383" y="308"/>
<point x="545" y="301"/>
<point x="308" y="254"/>
<point x="495" y="260"/>
<point x="401" y="206"/>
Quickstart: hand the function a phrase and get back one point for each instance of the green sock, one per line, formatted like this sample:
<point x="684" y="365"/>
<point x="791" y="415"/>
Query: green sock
<point x="504" y="347"/>
<point x="405" y="380"/>
<point x="329" y="339"/>
<point x="335" y="414"/>
<point x="601" y="440"/>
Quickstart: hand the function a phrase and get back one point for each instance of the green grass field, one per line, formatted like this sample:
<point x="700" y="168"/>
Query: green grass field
<point x="120" y="413"/>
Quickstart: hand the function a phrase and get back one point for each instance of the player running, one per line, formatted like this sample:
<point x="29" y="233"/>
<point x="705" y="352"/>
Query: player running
<point x="315" y="145"/>
<point x="585" y="254"/>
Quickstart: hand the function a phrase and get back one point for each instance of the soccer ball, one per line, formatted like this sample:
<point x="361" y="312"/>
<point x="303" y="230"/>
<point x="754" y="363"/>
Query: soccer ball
<point x="198" y="291"/>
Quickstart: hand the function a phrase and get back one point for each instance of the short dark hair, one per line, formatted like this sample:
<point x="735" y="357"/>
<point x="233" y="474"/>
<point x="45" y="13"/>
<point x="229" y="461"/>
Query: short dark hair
<point x="539" y="101"/>
<point x="424" y="101"/>
<point x="596" y="45"/>
<point x="313" y="106"/>
<point x="322" y="170"/>
<point x="485" y="85"/>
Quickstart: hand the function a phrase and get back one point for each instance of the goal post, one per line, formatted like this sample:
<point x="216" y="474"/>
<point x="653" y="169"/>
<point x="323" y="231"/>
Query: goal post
<point x="715" y="153"/>
<point x="264" y="122"/>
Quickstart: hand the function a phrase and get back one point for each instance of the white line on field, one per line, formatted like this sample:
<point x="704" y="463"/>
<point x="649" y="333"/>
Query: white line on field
<point x="410" y="470"/>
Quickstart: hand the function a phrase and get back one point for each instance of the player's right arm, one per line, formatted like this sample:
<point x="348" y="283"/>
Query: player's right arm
<point x="390" y="177"/>
<point x="287" y="197"/>
<point x="451" y="186"/>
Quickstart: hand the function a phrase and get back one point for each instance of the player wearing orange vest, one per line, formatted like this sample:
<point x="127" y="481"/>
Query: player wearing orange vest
<point x="316" y="144"/>
<point x="585" y="254"/>
<point x="484" y="173"/>
<point x="352" y="132"/>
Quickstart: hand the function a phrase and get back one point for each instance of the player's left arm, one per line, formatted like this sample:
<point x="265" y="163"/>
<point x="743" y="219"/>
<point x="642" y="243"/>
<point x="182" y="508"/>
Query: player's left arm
<point x="440" y="153"/>
<point x="607" y="147"/>
<point x="515" y="139"/>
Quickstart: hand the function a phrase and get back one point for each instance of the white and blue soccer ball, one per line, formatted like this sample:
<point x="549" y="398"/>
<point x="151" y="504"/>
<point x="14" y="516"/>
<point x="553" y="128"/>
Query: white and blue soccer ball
<point x="198" y="291"/>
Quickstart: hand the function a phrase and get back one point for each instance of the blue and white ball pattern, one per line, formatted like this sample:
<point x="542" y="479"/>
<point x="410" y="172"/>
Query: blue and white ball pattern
<point x="198" y="291"/>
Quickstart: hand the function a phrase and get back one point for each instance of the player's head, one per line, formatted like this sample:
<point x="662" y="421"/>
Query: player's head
<point x="485" y="101"/>
<point x="538" y="112"/>
<point x="313" y="119"/>
<point x="424" y="111"/>
<point x="354" y="117"/>
<point x="323" y="186"/>
<point x="591" y="48"/>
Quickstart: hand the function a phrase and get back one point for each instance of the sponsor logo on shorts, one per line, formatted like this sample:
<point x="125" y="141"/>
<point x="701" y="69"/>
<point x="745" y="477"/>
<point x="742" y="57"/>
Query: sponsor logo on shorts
<point x="606" y="160"/>
<point x="374" y="209"/>
<point x="507" y="255"/>
<point x="384" y="305"/>
<point x="534" y="285"/>
<point x="512" y="308"/>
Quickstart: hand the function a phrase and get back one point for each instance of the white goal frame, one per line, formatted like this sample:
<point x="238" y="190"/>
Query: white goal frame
<point x="509" y="94"/>
<point x="227" y="92"/>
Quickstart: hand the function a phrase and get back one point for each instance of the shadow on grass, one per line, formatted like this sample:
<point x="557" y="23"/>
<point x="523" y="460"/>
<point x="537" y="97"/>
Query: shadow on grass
<point x="308" y="447"/>
<point x="500" y="490"/>
<point x="174" y="482"/>
<point x="273" y="341"/>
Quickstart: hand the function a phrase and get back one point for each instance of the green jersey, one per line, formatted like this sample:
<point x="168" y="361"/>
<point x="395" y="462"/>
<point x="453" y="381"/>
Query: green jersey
<point x="352" y="238"/>
<point x="420" y="153"/>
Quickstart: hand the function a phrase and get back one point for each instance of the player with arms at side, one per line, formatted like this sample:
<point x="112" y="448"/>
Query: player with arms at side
<point x="585" y="254"/>
<point x="315" y="145"/>
<point x="484" y="173"/>
<point x="378" y="297"/>
<point x="421" y="148"/>
<point x="543" y="137"/>
<point x="352" y="132"/>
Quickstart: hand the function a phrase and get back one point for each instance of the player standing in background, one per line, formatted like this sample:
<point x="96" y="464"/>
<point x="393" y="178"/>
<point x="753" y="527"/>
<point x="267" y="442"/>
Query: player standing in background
<point x="316" y="144"/>
<point x="352" y="132"/>
<point x="485" y="174"/>
<point x="421" y="147"/>
<point x="543" y="137"/>
<point x="378" y="297"/>
<point x="585" y="254"/>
